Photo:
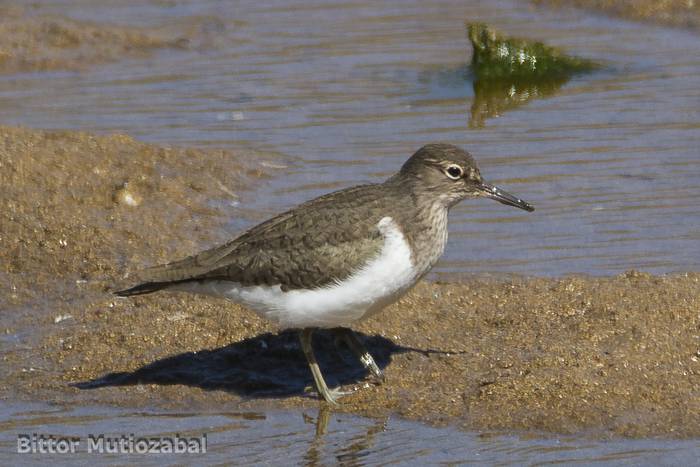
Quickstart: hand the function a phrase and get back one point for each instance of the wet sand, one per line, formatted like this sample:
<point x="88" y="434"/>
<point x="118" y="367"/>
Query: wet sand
<point x="36" y="42"/>
<point x="679" y="13"/>
<point x="78" y="213"/>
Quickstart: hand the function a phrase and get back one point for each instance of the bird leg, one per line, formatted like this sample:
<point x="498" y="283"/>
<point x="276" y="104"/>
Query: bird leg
<point x="330" y="395"/>
<point x="356" y="346"/>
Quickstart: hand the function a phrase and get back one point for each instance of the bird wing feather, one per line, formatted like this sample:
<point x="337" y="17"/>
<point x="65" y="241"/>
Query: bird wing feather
<point x="318" y="243"/>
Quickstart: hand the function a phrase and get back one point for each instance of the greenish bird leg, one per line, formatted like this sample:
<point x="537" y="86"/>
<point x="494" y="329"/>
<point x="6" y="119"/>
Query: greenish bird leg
<point x="356" y="346"/>
<point x="330" y="395"/>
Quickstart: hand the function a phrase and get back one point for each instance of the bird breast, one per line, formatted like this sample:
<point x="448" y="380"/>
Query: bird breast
<point x="430" y="240"/>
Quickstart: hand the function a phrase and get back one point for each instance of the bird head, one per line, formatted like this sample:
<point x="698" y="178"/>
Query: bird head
<point x="451" y="173"/>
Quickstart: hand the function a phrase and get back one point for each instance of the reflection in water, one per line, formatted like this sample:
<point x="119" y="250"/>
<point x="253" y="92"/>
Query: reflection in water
<point x="285" y="438"/>
<point x="352" y="451"/>
<point x="493" y="97"/>
<point x="315" y="451"/>
<point x="359" y="445"/>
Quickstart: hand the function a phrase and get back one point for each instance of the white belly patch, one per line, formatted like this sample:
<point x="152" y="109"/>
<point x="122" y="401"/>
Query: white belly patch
<point x="367" y="291"/>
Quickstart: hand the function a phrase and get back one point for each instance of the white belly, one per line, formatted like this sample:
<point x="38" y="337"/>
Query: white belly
<point x="367" y="291"/>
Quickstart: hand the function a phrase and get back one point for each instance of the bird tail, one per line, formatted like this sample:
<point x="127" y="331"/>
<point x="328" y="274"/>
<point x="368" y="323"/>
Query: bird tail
<point x="143" y="289"/>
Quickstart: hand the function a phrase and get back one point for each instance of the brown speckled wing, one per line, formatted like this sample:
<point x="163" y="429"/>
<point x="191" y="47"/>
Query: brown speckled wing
<point x="319" y="242"/>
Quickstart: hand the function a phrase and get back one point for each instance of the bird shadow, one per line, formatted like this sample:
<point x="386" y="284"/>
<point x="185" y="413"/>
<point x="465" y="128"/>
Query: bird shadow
<point x="267" y="365"/>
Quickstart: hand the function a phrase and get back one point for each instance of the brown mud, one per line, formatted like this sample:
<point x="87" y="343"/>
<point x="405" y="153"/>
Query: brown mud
<point x="36" y="42"/>
<point x="78" y="212"/>
<point x="678" y="13"/>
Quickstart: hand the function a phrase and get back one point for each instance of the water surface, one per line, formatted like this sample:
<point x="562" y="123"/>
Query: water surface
<point x="342" y="92"/>
<point x="315" y="438"/>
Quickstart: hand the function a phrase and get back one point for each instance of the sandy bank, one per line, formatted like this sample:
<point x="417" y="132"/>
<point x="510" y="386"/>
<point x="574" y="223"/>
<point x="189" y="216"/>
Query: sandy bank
<point x="679" y="13"/>
<point x="69" y="198"/>
<point x="35" y="42"/>
<point x="78" y="211"/>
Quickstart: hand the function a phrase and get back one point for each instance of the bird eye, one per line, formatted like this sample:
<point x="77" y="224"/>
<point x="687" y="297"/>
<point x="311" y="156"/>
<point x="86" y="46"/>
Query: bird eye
<point x="454" y="172"/>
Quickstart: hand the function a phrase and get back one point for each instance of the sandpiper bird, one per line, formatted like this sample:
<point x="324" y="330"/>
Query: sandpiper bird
<point x="338" y="258"/>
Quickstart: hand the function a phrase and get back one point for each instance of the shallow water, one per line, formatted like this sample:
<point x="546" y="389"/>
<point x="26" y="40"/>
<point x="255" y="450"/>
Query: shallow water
<point x="344" y="92"/>
<point x="313" y="438"/>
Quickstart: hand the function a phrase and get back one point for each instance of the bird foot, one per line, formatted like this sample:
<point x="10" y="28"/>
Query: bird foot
<point x="377" y="378"/>
<point x="332" y="394"/>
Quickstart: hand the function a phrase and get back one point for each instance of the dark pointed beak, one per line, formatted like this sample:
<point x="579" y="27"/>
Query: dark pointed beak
<point x="504" y="197"/>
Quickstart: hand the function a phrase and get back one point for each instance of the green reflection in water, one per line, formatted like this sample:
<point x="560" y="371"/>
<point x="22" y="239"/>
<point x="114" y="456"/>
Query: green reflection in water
<point x="509" y="72"/>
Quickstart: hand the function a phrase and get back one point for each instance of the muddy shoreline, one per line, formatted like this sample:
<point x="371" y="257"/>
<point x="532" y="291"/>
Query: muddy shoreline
<point x="615" y="355"/>
<point x="32" y="41"/>
<point x="676" y="13"/>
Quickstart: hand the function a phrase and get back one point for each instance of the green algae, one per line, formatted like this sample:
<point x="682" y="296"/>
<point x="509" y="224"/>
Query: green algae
<point x="498" y="57"/>
<point x="509" y="72"/>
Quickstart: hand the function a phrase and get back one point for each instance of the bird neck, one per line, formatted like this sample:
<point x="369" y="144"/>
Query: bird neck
<point x="424" y="217"/>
